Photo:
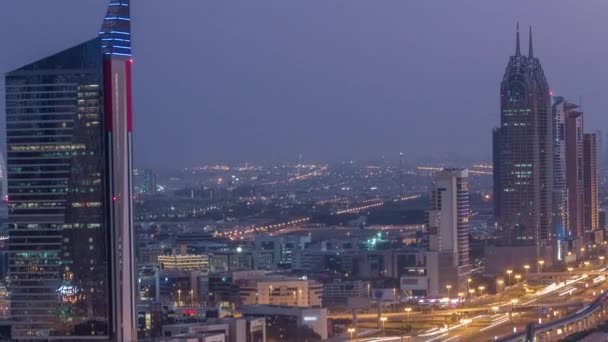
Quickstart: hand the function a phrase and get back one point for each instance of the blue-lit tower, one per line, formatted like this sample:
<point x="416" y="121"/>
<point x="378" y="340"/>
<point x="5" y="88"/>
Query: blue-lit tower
<point x="69" y="124"/>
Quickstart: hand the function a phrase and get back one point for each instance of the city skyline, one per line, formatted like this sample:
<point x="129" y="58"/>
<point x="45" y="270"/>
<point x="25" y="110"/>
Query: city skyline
<point x="308" y="171"/>
<point x="239" y="74"/>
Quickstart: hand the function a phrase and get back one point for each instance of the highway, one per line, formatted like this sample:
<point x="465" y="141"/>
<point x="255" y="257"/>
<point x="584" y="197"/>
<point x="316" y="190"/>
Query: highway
<point x="497" y="316"/>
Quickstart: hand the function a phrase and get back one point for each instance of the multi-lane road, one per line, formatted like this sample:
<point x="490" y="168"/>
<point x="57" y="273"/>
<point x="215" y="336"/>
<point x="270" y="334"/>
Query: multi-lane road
<point x="488" y="320"/>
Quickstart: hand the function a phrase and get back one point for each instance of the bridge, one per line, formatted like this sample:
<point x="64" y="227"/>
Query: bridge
<point x="585" y="318"/>
<point x="569" y="274"/>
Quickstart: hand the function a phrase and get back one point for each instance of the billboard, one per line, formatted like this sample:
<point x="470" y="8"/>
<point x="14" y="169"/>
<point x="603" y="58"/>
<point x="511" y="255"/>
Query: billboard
<point x="384" y="295"/>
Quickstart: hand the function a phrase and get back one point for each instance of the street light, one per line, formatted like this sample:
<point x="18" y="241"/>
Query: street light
<point x="509" y="274"/>
<point x="448" y="287"/>
<point x="469" y="280"/>
<point x="481" y="288"/>
<point x="495" y="309"/>
<point x="408" y="310"/>
<point x="513" y="302"/>
<point x="541" y="263"/>
<point x="351" y="331"/>
<point x="527" y="268"/>
<point x="383" y="319"/>
<point x="570" y="269"/>
<point x="517" y="277"/>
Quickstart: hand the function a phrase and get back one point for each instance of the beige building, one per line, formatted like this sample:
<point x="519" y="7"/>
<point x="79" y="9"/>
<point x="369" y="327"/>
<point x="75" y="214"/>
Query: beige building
<point x="284" y="291"/>
<point x="187" y="262"/>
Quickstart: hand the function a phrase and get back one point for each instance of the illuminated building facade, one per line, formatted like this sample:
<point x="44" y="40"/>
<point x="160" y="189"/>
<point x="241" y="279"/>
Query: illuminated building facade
<point x="560" y="191"/>
<point x="68" y="124"/>
<point x="281" y="291"/>
<point x="574" y="170"/>
<point x="590" y="181"/>
<point x="185" y="262"/>
<point x="497" y="187"/>
<point x="525" y="148"/>
<point x="448" y="228"/>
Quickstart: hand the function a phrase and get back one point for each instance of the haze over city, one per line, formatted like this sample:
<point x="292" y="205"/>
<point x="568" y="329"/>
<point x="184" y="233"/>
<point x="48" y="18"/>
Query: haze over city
<point x="303" y="171"/>
<point x="340" y="80"/>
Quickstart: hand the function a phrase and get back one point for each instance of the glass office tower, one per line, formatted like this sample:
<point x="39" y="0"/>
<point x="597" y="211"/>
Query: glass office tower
<point x="69" y="123"/>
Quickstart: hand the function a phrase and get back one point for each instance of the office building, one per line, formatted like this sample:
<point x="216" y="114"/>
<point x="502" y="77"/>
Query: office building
<point x="69" y="167"/>
<point x="497" y="189"/>
<point x="525" y="151"/>
<point x="227" y="329"/>
<point x="602" y="220"/>
<point x="283" y="323"/>
<point x="448" y="229"/>
<point x="590" y="167"/>
<point x="560" y="191"/>
<point x="574" y="170"/>
<point x="149" y="185"/>
<point x="337" y="293"/>
<point x="279" y="290"/>
<point x="283" y="248"/>
<point x="185" y="262"/>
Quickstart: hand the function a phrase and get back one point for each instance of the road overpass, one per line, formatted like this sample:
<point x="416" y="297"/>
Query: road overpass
<point x="583" y="319"/>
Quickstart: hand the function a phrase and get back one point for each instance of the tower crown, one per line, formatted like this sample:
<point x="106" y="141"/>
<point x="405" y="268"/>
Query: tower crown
<point x="115" y="31"/>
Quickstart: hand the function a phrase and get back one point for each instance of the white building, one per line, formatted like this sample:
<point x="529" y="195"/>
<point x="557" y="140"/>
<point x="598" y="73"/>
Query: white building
<point x="279" y="290"/>
<point x="448" y="227"/>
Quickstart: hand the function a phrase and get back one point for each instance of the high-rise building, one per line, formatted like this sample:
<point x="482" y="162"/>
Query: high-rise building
<point x="601" y="149"/>
<point x="496" y="170"/>
<point x="574" y="169"/>
<point x="560" y="192"/>
<point x="590" y="182"/>
<point x="526" y="166"/>
<point x="448" y="228"/>
<point x="68" y="124"/>
<point x="149" y="182"/>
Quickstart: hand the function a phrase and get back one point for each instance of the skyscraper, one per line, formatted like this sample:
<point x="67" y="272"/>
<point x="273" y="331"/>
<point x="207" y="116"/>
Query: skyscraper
<point x="69" y="122"/>
<point x="448" y="225"/>
<point x="526" y="179"/>
<point x="496" y="170"/>
<point x="560" y="192"/>
<point x="574" y="169"/>
<point x="149" y="182"/>
<point x="590" y="182"/>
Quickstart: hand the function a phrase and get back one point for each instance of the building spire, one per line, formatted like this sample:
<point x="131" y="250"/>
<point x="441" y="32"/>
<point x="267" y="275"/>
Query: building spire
<point x="116" y="29"/>
<point x="530" y="50"/>
<point x="517" y="51"/>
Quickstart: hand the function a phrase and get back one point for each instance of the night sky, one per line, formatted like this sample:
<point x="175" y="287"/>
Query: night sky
<point x="267" y="80"/>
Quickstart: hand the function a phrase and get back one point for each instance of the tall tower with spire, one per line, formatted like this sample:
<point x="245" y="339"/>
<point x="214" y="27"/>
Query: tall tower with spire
<point x="524" y="151"/>
<point x="68" y="124"/>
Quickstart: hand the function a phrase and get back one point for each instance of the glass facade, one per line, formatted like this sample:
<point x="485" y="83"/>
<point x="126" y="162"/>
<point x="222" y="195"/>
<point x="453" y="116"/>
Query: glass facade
<point x="68" y="124"/>
<point x="55" y="158"/>
<point x="524" y="145"/>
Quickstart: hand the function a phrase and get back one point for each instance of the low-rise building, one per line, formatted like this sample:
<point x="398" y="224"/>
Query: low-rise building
<point x="229" y="329"/>
<point x="284" y="323"/>
<point x="337" y="293"/>
<point x="280" y="290"/>
<point x="185" y="262"/>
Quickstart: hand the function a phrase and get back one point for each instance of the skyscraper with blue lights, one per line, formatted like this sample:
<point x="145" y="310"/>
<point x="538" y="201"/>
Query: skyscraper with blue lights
<point x="69" y="124"/>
